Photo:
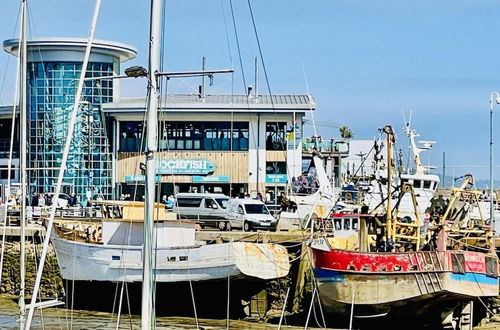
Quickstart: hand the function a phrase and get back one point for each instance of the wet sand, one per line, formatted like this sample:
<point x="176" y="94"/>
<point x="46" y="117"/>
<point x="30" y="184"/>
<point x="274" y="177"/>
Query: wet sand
<point x="59" y="318"/>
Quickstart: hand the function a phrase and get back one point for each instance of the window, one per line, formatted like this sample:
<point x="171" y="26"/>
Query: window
<point x="204" y="136"/>
<point x="222" y="202"/>
<point x="427" y="184"/>
<point x="417" y="183"/>
<point x="275" y="136"/>
<point x="355" y="224"/>
<point x="130" y="136"/>
<point x="275" y="167"/>
<point x="189" y="202"/>
<point x="256" y="209"/>
<point x="347" y="224"/>
<point x="210" y="204"/>
<point x="52" y="86"/>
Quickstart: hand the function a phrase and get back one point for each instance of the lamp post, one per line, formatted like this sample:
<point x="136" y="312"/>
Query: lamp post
<point x="494" y="97"/>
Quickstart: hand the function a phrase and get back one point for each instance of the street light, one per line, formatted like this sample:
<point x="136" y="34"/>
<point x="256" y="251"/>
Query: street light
<point x="494" y="97"/>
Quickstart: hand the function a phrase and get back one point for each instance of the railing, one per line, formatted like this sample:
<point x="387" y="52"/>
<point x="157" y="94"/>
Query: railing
<point x="329" y="146"/>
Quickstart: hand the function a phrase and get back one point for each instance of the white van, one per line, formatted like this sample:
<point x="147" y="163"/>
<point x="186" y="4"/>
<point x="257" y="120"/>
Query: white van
<point x="249" y="214"/>
<point x="207" y="209"/>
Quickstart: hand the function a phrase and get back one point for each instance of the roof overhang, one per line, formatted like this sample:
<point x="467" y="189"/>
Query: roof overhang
<point x="116" y="49"/>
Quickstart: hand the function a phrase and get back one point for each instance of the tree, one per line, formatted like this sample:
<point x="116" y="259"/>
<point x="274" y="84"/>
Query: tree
<point x="346" y="133"/>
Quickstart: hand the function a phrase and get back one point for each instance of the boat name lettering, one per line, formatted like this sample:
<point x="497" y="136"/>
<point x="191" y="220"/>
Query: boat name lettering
<point x="473" y="258"/>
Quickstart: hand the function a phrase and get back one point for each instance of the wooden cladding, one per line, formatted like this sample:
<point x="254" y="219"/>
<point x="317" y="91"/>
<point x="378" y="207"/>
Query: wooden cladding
<point x="233" y="164"/>
<point x="276" y="156"/>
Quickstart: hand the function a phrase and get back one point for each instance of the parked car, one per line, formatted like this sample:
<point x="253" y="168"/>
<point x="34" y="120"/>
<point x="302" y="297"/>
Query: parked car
<point x="249" y="214"/>
<point x="207" y="209"/>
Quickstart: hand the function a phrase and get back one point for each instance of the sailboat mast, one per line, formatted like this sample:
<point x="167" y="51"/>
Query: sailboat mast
<point x="23" y="54"/>
<point x="147" y="310"/>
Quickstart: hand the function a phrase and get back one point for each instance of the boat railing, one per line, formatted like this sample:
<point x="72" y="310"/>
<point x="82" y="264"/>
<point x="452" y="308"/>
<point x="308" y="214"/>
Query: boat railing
<point x="132" y="211"/>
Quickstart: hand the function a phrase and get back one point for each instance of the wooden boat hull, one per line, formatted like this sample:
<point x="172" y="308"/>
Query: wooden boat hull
<point x="81" y="261"/>
<point x="382" y="283"/>
<point x="378" y="295"/>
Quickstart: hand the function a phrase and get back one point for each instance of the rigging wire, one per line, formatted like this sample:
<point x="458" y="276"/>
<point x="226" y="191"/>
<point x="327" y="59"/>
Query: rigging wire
<point x="238" y="45"/>
<point x="9" y="163"/>
<point x="227" y="33"/>
<point x="310" y="103"/>
<point x="9" y="57"/>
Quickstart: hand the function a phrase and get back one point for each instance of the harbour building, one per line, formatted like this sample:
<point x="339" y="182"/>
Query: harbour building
<point x="54" y="66"/>
<point x="233" y="144"/>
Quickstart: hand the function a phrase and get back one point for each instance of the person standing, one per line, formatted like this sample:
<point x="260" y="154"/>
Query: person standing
<point x="41" y="200"/>
<point x="73" y="199"/>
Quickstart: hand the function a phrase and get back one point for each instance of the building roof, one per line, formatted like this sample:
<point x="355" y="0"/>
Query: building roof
<point x="215" y="103"/>
<point x="123" y="51"/>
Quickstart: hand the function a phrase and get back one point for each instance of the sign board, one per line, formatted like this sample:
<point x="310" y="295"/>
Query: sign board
<point x="276" y="178"/>
<point x="139" y="178"/>
<point x="210" y="178"/>
<point x="184" y="166"/>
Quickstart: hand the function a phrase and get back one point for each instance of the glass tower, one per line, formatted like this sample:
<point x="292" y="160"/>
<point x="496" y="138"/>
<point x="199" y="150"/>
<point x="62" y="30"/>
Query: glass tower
<point x="51" y="93"/>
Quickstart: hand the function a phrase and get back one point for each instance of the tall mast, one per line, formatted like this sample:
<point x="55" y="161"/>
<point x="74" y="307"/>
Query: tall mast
<point x="69" y="136"/>
<point x="23" y="55"/>
<point x="147" y="311"/>
<point x="389" y="141"/>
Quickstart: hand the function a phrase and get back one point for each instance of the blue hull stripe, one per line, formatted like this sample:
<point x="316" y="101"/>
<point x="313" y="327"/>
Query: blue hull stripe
<point x="325" y="275"/>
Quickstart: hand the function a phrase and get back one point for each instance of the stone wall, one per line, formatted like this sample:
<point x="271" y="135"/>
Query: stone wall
<point x="51" y="286"/>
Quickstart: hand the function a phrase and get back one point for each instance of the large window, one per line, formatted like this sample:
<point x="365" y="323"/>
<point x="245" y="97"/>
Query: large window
<point x="189" y="136"/>
<point x="275" y="136"/>
<point x="51" y="94"/>
<point x="131" y="136"/>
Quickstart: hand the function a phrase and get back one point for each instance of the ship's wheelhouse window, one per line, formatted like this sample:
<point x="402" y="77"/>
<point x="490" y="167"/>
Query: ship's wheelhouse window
<point x="434" y="184"/>
<point x="427" y="184"/>
<point x="417" y="183"/>
<point x="338" y="225"/>
<point x="355" y="224"/>
<point x="347" y="224"/>
<point x="404" y="181"/>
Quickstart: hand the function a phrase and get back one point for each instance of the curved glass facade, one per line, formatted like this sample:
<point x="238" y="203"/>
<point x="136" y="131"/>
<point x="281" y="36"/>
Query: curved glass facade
<point x="51" y="93"/>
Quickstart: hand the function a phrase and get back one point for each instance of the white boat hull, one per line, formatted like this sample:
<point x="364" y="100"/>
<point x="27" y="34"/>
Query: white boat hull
<point x="95" y="262"/>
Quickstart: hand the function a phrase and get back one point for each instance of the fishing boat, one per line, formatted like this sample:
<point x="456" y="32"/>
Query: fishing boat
<point x="424" y="183"/>
<point x="111" y="249"/>
<point x="401" y="269"/>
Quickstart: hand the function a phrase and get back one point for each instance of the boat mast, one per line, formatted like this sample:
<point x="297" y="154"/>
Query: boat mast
<point x="147" y="310"/>
<point x="69" y="137"/>
<point x="23" y="54"/>
<point x="389" y="140"/>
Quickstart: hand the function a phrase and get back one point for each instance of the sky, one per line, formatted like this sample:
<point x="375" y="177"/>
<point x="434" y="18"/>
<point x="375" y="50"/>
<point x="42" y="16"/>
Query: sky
<point x="365" y="62"/>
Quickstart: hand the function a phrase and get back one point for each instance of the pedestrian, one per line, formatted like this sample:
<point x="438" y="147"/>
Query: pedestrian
<point x="41" y="200"/>
<point x="73" y="200"/>
<point x="170" y="202"/>
<point x="268" y="197"/>
<point x="164" y="199"/>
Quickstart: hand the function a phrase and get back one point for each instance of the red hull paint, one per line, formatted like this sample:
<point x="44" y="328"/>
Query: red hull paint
<point x="388" y="262"/>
